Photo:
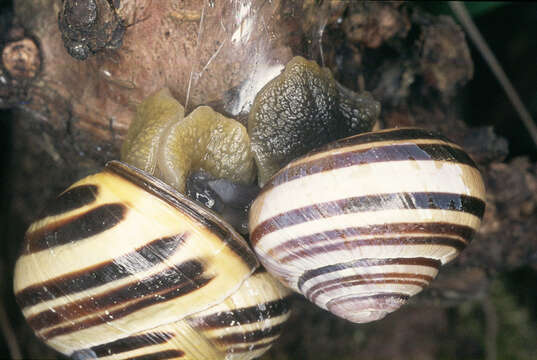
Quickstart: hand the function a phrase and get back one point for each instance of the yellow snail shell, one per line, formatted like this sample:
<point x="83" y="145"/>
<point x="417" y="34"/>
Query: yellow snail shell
<point x="123" y="266"/>
<point x="362" y="224"/>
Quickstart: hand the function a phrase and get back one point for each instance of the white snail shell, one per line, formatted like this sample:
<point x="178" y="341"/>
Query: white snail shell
<point x="364" y="223"/>
<point x="123" y="266"/>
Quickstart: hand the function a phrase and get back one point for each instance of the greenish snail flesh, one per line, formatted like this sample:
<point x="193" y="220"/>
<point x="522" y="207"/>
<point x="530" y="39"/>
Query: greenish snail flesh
<point x="301" y="109"/>
<point x="165" y="143"/>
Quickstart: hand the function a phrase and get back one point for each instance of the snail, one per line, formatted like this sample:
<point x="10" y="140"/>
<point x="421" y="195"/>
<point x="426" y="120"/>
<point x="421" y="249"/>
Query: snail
<point x="363" y="223"/>
<point x="122" y="265"/>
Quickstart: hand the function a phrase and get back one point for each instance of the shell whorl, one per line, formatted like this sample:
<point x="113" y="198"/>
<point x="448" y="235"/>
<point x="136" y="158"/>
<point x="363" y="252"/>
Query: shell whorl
<point x="364" y="223"/>
<point x="121" y="264"/>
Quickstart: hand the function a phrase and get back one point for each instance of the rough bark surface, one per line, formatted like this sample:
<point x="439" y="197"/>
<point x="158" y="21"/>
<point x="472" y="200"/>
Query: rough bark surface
<point x="72" y="116"/>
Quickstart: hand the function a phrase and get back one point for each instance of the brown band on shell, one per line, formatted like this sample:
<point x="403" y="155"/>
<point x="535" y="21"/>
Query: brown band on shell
<point x="399" y="152"/>
<point x="464" y="232"/>
<point x="171" y="196"/>
<point x="251" y="336"/>
<point x="132" y="343"/>
<point x="246" y="315"/>
<point x="169" y="283"/>
<point x="457" y="244"/>
<point x="348" y="281"/>
<point x="396" y="134"/>
<point x="72" y="199"/>
<point x="376" y="202"/>
<point x="260" y="270"/>
<point x="132" y="307"/>
<point x="419" y="261"/>
<point x="160" y="355"/>
<point x="75" y="228"/>
<point x="154" y="252"/>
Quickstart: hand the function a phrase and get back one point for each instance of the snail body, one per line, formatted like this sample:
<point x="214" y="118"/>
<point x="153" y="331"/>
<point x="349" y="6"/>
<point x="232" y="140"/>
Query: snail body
<point x="301" y="109"/>
<point x="123" y="265"/>
<point x="360" y="225"/>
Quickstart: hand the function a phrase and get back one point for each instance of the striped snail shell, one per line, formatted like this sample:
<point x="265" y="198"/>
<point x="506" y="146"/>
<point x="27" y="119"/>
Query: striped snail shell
<point x="362" y="224"/>
<point x="123" y="266"/>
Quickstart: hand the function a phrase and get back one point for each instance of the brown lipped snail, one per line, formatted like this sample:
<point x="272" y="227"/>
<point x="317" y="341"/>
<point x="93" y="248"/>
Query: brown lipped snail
<point x="360" y="225"/>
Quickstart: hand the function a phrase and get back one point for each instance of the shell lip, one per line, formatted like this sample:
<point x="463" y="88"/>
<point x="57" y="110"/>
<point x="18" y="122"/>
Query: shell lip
<point x="179" y="201"/>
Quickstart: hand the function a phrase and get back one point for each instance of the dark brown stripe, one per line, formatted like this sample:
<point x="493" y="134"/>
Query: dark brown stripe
<point x="376" y="202"/>
<point x="75" y="228"/>
<point x="435" y="228"/>
<point x="71" y="199"/>
<point x="250" y="336"/>
<point x="379" y="278"/>
<point x="142" y="259"/>
<point x="354" y="244"/>
<point x="188" y="207"/>
<point x="369" y="282"/>
<point x="131" y="343"/>
<point x="378" y="136"/>
<point x="169" y="294"/>
<point x="241" y="316"/>
<point x="160" y="355"/>
<point x="169" y="280"/>
<point x="419" y="261"/>
<point x="397" y="152"/>
<point x="259" y="270"/>
<point x="367" y="277"/>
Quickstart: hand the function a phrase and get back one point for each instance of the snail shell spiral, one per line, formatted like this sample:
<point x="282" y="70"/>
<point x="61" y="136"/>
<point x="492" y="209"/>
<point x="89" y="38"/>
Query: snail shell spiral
<point x="123" y="266"/>
<point x="362" y="224"/>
